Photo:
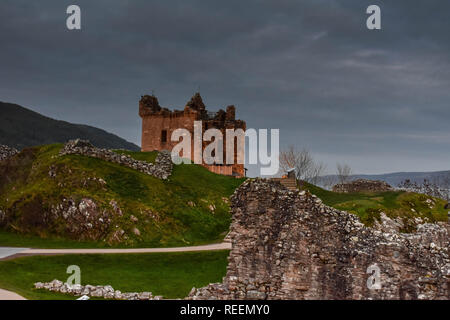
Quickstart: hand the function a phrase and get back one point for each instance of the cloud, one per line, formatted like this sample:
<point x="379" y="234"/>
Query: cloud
<point x="310" y="68"/>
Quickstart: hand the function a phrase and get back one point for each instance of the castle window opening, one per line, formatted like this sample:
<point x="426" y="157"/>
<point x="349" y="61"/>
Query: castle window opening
<point x="164" y="136"/>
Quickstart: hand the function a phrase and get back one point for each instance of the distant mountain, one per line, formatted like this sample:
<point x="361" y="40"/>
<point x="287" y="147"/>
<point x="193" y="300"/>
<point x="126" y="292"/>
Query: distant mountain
<point x="21" y="127"/>
<point x="396" y="177"/>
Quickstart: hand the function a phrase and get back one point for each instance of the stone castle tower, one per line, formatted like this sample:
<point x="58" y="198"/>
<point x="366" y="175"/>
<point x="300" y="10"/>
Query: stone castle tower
<point x="158" y="124"/>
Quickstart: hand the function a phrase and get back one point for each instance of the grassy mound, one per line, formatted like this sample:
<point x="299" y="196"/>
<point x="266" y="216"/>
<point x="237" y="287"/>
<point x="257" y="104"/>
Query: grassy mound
<point x="368" y="206"/>
<point x="190" y="208"/>
<point x="171" y="275"/>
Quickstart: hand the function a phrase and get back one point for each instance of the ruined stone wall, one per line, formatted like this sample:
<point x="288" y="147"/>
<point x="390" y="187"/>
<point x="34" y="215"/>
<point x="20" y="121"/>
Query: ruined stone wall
<point x="289" y="245"/>
<point x="152" y="127"/>
<point x="156" y="120"/>
<point x="161" y="169"/>
<point x="362" y="185"/>
<point x="225" y="170"/>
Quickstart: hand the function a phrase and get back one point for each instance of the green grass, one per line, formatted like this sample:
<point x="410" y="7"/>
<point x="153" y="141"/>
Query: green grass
<point x="171" y="275"/>
<point x="142" y="156"/>
<point x="170" y="213"/>
<point x="11" y="239"/>
<point x="368" y="206"/>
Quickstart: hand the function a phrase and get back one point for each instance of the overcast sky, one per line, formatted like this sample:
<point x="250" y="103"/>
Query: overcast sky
<point x="378" y="100"/>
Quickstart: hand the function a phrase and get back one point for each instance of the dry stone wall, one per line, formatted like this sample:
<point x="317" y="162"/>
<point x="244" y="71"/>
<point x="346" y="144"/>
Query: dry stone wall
<point x="161" y="169"/>
<point x="289" y="245"/>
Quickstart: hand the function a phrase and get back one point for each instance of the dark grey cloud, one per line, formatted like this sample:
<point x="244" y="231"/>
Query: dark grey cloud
<point x="375" y="99"/>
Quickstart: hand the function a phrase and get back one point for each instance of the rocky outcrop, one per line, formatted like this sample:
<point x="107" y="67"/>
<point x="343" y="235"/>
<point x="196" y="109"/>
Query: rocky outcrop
<point x="289" y="245"/>
<point x="362" y="185"/>
<point x="81" y="220"/>
<point x="161" y="169"/>
<point x="105" y="292"/>
<point x="7" y="152"/>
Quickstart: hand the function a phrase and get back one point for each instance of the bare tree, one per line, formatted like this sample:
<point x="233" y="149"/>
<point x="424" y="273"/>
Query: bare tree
<point x="315" y="172"/>
<point x="328" y="181"/>
<point x="343" y="172"/>
<point x="306" y="168"/>
<point x="288" y="159"/>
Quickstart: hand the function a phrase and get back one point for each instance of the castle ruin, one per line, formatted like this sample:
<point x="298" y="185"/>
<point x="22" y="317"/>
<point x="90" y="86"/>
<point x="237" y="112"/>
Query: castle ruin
<point x="290" y="246"/>
<point x="159" y="123"/>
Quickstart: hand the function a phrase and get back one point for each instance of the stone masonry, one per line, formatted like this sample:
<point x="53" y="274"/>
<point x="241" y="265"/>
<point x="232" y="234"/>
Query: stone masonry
<point x="159" y="123"/>
<point x="161" y="169"/>
<point x="289" y="245"/>
<point x="362" y="185"/>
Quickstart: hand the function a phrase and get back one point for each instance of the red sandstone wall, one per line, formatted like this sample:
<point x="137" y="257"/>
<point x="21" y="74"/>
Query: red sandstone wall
<point x="154" y="123"/>
<point x="225" y="170"/>
<point x="152" y="126"/>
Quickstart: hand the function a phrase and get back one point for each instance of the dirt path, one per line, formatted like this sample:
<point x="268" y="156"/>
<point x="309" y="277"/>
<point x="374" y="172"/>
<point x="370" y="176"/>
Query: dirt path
<point x="8" y="295"/>
<point x="33" y="252"/>
<point x="8" y="251"/>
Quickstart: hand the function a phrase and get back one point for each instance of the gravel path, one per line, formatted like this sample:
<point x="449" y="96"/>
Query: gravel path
<point x="209" y="247"/>
<point x="8" y="295"/>
<point x="6" y="251"/>
<point x="12" y="253"/>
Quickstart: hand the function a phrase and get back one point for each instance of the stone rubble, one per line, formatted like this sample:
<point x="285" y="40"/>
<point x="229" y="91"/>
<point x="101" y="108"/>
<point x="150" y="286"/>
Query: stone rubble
<point x="161" y="169"/>
<point x="386" y="224"/>
<point x="82" y="220"/>
<point x="105" y="292"/>
<point x="7" y="152"/>
<point x="289" y="245"/>
<point x="362" y="185"/>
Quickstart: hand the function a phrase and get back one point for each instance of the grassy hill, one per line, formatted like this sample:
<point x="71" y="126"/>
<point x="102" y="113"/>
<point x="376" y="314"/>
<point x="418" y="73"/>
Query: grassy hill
<point x="190" y="208"/>
<point x="21" y="127"/>
<point x="368" y="206"/>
